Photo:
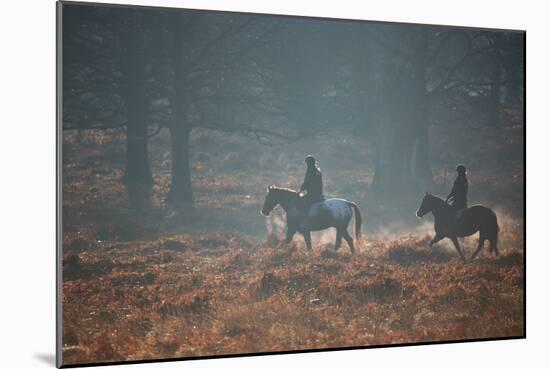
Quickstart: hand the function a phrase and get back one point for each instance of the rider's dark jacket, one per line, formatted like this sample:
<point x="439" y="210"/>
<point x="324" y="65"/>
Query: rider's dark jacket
<point x="459" y="193"/>
<point x="313" y="184"/>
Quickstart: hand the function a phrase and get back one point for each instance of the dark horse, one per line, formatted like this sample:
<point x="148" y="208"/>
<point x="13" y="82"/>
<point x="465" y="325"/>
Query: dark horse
<point x="475" y="218"/>
<point x="335" y="213"/>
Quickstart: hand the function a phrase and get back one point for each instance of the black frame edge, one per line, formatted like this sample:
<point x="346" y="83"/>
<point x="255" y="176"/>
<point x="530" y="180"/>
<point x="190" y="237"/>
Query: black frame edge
<point x="58" y="178"/>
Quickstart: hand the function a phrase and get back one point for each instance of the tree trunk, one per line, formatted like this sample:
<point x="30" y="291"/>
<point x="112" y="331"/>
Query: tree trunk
<point x="493" y="119"/>
<point x="137" y="175"/>
<point x="513" y="69"/>
<point x="496" y="74"/>
<point x="403" y="167"/>
<point x="422" y="168"/>
<point x="181" y="191"/>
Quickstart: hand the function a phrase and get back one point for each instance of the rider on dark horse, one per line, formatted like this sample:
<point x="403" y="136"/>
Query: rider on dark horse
<point x="312" y="186"/>
<point x="459" y="193"/>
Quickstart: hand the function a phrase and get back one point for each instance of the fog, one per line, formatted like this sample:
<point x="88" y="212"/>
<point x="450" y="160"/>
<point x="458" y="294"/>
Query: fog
<point x="388" y="110"/>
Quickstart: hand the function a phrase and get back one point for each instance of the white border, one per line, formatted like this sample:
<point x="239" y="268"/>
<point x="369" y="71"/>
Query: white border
<point x="27" y="154"/>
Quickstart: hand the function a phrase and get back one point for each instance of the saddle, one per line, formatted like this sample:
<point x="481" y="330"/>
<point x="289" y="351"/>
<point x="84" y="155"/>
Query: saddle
<point x="307" y="208"/>
<point x="311" y="213"/>
<point x="313" y="209"/>
<point x="455" y="221"/>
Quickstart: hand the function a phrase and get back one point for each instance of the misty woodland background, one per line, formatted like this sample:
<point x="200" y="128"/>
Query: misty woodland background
<point x="174" y="123"/>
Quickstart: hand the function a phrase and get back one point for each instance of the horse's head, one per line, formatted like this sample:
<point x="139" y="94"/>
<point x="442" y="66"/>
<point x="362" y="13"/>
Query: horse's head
<point x="270" y="201"/>
<point x="279" y="196"/>
<point x="426" y="206"/>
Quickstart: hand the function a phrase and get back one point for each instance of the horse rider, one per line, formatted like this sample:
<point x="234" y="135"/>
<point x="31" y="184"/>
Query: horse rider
<point x="459" y="193"/>
<point x="312" y="186"/>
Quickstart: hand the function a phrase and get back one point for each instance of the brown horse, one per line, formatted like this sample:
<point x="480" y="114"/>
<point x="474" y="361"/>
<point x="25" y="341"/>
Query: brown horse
<point x="474" y="219"/>
<point x="335" y="213"/>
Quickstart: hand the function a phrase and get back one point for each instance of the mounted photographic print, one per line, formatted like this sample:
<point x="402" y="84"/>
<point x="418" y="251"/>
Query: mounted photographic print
<point x="235" y="184"/>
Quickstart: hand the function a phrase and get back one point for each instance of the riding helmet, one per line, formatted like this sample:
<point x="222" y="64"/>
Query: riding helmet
<point x="310" y="160"/>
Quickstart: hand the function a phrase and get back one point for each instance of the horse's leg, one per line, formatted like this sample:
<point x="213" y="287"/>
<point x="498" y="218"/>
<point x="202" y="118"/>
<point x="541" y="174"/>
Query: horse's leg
<point x="307" y="238"/>
<point x="338" y="239"/>
<point x="493" y="238"/>
<point x="348" y="239"/>
<point x="479" y="247"/>
<point x="457" y="246"/>
<point x="494" y="247"/>
<point x="436" y="239"/>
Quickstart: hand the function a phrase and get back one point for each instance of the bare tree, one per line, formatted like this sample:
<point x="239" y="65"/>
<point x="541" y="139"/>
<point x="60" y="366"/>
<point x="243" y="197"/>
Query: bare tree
<point x="107" y="68"/>
<point x="429" y="67"/>
<point x="218" y="83"/>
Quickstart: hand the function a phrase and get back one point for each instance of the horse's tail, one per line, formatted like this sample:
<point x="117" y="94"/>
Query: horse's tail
<point x="358" y="222"/>
<point x="493" y="241"/>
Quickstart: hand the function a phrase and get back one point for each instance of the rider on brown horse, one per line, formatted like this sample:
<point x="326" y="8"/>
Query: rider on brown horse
<point x="312" y="186"/>
<point x="459" y="193"/>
